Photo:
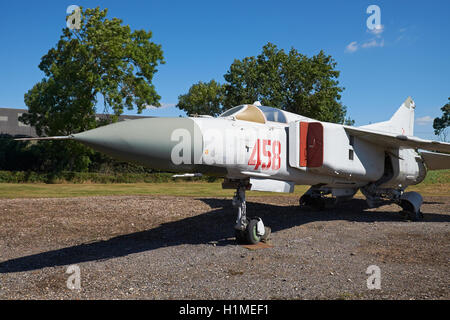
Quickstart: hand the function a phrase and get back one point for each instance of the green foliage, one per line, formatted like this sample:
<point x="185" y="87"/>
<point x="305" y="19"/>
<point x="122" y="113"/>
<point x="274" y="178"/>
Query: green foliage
<point x="92" y="177"/>
<point x="56" y="156"/>
<point x="203" y="99"/>
<point x="103" y="59"/>
<point x="441" y="124"/>
<point x="49" y="156"/>
<point x="289" y="81"/>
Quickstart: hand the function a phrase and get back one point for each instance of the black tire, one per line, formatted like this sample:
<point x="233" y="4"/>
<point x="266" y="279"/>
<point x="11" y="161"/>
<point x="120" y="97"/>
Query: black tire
<point x="251" y="232"/>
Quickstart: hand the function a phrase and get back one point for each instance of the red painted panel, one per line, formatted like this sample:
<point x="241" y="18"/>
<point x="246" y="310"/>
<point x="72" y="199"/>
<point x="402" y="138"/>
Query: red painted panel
<point x="303" y="143"/>
<point x="314" y="149"/>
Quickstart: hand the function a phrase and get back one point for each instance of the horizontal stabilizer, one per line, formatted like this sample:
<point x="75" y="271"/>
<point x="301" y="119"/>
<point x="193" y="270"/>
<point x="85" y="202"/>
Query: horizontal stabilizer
<point x="45" y="138"/>
<point x="436" y="161"/>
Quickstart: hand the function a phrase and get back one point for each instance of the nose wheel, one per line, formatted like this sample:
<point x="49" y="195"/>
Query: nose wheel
<point x="247" y="231"/>
<point x="254" y="233"/>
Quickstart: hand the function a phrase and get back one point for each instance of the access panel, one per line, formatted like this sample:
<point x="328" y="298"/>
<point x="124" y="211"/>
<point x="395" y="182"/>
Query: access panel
<point x="306" y="144"/>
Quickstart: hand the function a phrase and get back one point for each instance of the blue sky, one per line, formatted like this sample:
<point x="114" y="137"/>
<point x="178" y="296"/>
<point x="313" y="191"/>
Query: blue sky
<point x="200" y="39"/>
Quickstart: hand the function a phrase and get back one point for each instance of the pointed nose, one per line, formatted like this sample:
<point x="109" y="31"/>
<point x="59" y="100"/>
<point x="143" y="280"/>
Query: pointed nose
<point x="149" y="141"/>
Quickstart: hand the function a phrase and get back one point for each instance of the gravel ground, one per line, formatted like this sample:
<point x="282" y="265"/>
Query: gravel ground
<point x="163" y="247"/>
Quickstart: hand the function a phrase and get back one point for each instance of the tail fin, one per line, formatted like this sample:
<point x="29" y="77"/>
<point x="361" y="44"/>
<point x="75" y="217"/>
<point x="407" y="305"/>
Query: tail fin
<point x="402" y="122"/>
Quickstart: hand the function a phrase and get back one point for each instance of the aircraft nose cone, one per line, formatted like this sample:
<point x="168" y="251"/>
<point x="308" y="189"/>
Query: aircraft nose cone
<point x="159" y="143"/>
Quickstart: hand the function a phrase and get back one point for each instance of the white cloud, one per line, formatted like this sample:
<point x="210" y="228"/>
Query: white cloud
<point x="351" y="47"/>
<point x="373" y="43"/>
<point x="376" y="41"/>
<point x="354" y="46"/>
<point x="423" y="121"/>
<point x="378" y="30"/>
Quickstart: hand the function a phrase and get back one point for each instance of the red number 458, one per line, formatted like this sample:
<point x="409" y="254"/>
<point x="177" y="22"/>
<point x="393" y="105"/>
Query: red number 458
<point x="271" y="152"/>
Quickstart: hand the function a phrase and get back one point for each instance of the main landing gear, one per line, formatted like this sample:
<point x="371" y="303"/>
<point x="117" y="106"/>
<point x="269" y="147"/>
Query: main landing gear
<point x="410" y="202"/>
<point x="247" y="230"/>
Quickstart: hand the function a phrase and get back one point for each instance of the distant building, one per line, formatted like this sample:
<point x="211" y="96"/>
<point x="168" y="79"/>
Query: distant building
<point x="10" y="124"/>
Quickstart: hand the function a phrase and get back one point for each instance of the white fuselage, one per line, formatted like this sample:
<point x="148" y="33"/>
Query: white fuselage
<point x="272" y="151"/>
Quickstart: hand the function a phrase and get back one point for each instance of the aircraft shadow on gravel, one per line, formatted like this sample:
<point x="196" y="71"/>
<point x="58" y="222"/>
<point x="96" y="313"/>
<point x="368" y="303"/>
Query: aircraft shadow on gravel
<point x="215" y="226"/>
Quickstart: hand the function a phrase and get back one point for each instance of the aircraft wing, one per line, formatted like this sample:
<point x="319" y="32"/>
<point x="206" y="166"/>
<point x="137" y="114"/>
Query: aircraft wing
<point x="393" y="140"/>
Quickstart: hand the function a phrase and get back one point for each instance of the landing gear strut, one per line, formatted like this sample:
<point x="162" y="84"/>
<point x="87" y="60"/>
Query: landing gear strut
<point x="247" y="230"/>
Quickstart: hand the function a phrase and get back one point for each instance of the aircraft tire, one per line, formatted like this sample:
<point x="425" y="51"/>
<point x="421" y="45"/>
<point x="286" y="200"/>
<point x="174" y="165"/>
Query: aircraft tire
<point x="251" y="234"/>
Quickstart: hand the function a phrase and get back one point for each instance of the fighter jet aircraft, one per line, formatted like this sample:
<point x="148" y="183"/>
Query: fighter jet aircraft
<point x="255" y="147"/>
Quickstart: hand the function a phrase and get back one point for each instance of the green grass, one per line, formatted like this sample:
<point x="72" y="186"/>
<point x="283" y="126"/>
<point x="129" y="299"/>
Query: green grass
<point x="438" y="176"/>
<point x="190" y="189"/>
<point x="437" y="183"/>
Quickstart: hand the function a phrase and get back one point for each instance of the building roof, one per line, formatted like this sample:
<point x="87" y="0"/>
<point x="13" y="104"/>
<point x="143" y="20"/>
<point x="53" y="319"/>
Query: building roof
<point x="10" y="124"/>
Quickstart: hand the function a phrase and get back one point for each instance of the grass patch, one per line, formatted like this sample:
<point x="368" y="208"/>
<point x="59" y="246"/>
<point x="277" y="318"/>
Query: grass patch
<point x="437" y="177"/>
<point x="189" y="189"/>
<point x="437" y="183"/>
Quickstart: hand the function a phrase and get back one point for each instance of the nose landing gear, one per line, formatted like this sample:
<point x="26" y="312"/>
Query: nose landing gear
<point x="247" y="231"/>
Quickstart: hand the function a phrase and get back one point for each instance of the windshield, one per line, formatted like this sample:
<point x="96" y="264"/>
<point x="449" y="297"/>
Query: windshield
<point x="231" y="111"/>
<point x="273" y="114"/>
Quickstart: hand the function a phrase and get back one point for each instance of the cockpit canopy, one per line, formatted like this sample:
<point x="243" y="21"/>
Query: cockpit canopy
<point x="260" y="114"/>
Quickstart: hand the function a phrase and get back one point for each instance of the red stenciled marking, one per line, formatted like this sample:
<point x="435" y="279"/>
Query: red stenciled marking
<point x="276" y="150"/>
<point x="267" y="154"/>
<point x="272" y="156"/>
<point x="255" y="152"/>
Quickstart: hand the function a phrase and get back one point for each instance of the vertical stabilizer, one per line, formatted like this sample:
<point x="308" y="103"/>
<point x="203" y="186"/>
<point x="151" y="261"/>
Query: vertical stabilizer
<point x="402" y="122"/>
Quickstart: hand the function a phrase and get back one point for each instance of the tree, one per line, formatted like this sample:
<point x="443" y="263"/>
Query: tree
<point x="203" y="99"/>
<point x="102" y="59"/>
<point x="441" y="124"/>
<point x="291" y="82"/>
